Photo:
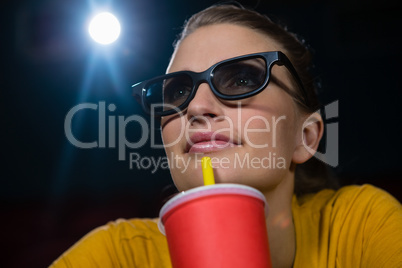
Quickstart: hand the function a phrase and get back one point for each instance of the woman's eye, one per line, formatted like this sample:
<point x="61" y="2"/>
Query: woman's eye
<point x="239" y="78"/>
<point x="176" y="89"/>
<point x="238" y="81"/>
<point x="176" y="92"/>
<point x="180" y="93"/>
<point x="241" y="82"/>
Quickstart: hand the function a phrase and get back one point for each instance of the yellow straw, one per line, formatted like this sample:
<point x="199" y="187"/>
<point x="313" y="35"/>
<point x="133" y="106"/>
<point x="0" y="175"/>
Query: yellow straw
<point x="207" y="171"/>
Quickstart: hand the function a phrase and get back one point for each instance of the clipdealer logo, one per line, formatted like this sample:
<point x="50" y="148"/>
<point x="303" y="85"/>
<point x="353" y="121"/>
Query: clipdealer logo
<point x="122" y="123"/>
<point x="144" y="129"/>
<point x="107" y="135"/>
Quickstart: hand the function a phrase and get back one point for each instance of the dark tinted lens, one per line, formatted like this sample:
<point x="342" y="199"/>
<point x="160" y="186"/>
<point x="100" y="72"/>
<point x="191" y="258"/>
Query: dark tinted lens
<point x="166" y="94"/>
<point x="153" y="96"/>
<point x="240" y="77"/>
<point x="176" y="90"/>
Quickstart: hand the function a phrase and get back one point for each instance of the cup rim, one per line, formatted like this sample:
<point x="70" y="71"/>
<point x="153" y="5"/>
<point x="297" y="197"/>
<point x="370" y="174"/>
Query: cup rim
<point x="201" y="191"/>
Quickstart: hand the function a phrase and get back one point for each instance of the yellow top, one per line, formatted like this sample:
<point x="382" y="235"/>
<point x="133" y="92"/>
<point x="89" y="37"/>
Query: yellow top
<point x="353" y="227"/>
<point x="356" y="226"/>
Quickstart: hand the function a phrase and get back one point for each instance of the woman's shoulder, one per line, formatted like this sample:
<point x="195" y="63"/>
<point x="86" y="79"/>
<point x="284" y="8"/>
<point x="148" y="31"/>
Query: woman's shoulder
<point x="141" y="223"/>
<point x="365" y="190"/>
<point x="364" y="218"/>
<point x="132" y="227"/>
<point x="354" y="207"/>
<point x="119" y="243"/>
<point x="351" y="195"/>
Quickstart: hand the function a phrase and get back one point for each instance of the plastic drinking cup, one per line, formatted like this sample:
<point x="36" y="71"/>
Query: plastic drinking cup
<point x="221" y="225"/>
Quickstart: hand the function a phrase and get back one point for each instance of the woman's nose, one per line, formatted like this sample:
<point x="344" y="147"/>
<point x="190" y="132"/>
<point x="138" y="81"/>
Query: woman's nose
<point x="204" y="103"/>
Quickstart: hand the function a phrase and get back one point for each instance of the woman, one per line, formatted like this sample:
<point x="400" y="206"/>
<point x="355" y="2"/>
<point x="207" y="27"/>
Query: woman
<point x="238" y="90"/>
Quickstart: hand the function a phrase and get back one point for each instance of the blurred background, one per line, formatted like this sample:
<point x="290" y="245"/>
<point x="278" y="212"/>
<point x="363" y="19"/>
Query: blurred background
<point x="52" y="192"/>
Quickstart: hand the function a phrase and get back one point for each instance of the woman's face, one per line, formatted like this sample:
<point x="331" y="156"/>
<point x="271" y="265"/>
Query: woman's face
<point x="251" y="141"/>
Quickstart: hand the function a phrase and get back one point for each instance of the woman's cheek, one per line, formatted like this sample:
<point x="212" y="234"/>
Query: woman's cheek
<point x="172" y="133"/>
<point x="266" y="133"/>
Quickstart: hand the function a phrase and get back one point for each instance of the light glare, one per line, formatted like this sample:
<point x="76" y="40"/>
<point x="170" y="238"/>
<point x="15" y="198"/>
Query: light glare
<point x="104" y="28"/>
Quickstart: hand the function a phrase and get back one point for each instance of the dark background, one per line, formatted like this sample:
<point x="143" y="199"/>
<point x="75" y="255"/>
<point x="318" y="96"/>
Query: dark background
<point x="53" y="193"/>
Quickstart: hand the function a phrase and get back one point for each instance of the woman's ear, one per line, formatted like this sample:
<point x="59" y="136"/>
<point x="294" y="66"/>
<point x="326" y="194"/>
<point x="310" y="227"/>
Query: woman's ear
<point x="312" y="131"/>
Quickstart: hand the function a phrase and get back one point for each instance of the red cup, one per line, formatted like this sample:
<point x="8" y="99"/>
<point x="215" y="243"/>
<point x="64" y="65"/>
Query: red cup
<point x="221" y="225"/>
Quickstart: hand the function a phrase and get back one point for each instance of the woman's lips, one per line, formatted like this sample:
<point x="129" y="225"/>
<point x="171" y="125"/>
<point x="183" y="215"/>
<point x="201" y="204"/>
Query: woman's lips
<point x="209" y="146"/>
<point x="204" y="142"/>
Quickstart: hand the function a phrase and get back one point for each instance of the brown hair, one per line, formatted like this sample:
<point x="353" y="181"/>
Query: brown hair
<point x="311" y="176"/>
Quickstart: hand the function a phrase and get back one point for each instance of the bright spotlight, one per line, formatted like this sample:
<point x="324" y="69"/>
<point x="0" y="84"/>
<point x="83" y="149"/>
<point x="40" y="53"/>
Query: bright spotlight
<point x="104" y="28"/>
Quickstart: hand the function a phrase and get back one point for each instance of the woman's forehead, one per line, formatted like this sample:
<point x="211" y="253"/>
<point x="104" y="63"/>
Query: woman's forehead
<point x="211" y="44"/>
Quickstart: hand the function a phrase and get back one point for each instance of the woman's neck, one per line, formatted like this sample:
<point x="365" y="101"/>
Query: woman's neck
<point x="281" y="231"/>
